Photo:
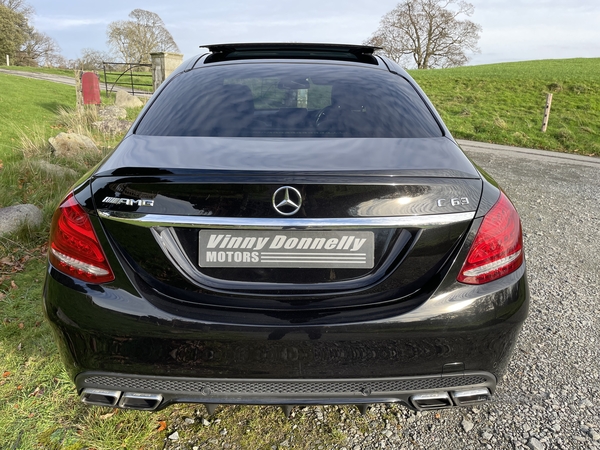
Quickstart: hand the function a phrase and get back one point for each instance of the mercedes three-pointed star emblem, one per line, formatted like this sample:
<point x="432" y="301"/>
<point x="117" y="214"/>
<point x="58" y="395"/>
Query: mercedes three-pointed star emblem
<point x="287" y="200"/>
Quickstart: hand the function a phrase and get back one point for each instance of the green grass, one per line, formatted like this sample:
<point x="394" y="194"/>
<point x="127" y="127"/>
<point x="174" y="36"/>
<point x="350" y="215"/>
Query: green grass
<point x="504" y="103"/>
<point x="48" y="70"/>
<point x="27" y="105"/>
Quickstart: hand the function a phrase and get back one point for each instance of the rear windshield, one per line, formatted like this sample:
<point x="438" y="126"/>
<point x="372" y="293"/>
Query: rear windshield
<point x="289" y="100"/>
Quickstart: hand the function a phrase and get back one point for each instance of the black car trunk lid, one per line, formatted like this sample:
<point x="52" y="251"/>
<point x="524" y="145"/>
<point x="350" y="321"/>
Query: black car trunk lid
<point x="225" y="236"/>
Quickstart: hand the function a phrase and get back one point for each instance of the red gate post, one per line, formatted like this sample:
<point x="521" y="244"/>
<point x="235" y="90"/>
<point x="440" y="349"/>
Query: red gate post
<point x="90" y="88"/>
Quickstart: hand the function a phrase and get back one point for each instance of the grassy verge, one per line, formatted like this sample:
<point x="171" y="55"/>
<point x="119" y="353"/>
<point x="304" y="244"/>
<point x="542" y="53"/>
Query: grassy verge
<point x="48" y="70"/>
<point x="38" y="406"/>
<point x="504" y="103"/>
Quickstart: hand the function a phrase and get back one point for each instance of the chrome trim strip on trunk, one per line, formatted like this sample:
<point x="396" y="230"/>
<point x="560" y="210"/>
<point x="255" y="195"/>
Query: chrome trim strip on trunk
<point x="160" y="220"/>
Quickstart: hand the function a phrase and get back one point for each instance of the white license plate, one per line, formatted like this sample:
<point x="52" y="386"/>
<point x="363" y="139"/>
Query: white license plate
<point x="296" y="249"/>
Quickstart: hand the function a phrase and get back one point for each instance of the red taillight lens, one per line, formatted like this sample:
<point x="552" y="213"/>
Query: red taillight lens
<point x="498" y="246"/>
<point x="74" y="248"/>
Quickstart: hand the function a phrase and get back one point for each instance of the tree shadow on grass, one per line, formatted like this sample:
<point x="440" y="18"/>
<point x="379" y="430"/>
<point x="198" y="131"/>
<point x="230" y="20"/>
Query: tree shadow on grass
<point x="54" y="107"/>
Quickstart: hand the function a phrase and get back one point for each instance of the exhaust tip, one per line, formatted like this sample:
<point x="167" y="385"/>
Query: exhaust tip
<point x="100" y="397"/>
<point x="471" y="397"/>
<point x="437" y="400"/>
<point x="140" y="401"/>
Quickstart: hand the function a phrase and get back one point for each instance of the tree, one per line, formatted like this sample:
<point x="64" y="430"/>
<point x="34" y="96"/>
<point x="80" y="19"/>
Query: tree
<point x="20" y="7"/>
<point x="22" y="42"/>
<point x="39" y="49"/>
<point x="135" y="39"/>
<point x="428" y="33"/>
<point x="13" y="34"/>
<point x="91" y="59"/>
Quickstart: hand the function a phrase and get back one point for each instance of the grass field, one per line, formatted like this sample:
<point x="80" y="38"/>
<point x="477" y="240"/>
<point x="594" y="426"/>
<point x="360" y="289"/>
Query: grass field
<point x="48" y="70"/>
<point x="39" y="407"/>
<point x="504" y="103"/>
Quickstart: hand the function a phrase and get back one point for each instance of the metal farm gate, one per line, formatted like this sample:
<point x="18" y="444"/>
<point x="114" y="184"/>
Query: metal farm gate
<point x="133" y="77"/>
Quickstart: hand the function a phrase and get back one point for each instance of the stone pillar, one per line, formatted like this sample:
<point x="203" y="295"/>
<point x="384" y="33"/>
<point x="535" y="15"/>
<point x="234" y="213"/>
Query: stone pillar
<point x="163" y="64"/>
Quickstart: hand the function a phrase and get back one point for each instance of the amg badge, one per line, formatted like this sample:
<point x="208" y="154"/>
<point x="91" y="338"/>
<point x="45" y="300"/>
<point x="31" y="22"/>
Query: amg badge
<point x="127" y="201"/>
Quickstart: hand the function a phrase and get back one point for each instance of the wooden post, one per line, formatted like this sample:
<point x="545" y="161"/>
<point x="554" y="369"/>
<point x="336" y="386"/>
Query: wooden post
<point x="547" y="113"/>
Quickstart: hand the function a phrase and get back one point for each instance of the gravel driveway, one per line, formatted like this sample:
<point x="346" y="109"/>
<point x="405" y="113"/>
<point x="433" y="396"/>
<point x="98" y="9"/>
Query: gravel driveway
<point x="550" y="397"/>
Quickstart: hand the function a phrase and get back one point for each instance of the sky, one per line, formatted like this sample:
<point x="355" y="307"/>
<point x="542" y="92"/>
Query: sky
<point x="513" y="30"/>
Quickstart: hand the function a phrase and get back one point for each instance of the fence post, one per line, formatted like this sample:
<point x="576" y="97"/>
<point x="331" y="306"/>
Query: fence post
<point x="547" y="113"/>
<point x="163" y="64"/>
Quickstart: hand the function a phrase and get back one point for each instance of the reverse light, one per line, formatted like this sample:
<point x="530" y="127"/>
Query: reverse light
<point x="74" y="247"/>
<point x="498" y="246"/>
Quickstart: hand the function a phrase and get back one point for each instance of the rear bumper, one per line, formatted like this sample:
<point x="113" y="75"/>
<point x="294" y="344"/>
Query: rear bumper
<point x="115" y="341"/>
<point x="154" y="393"/>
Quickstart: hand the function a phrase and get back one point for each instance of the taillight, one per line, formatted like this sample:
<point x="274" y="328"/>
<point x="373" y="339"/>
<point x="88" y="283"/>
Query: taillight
<point x="74" y="247"/>
<point x="498" y="246"/>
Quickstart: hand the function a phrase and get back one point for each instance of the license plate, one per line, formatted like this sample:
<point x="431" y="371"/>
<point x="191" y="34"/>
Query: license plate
<point x="295" y="249"/>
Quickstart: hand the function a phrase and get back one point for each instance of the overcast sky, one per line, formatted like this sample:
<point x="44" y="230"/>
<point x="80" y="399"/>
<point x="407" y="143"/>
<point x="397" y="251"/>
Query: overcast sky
<point x="513" y="30"/>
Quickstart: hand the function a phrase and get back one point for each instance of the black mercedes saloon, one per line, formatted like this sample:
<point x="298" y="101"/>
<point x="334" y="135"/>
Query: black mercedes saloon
<point x="286" y="224"/>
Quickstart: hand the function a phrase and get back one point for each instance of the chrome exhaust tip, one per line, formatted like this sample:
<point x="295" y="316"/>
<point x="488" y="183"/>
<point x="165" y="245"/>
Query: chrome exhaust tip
<point x="437" y="400"/>
<point x="140" y="401"/>
<point x="471" y="397"/>
<point x="100" y="397"/>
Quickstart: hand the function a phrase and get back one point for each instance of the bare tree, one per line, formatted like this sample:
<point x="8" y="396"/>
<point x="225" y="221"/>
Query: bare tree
<point x="135" y="39"/>
<point x="91" y="59"/>
<point x="39" y="49"/>
<point x="428" y="33"/>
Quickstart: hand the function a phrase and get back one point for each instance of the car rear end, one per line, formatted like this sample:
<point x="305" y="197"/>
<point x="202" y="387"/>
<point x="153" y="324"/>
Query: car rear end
<point x="287" y="225"/>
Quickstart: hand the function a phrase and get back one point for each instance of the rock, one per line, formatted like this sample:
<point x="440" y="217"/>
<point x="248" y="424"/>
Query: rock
<point x="534" y="444"/>
<point x="53" y="170"/>
<point x="174" y="436"/>
<point x="205" y="422"/>
<point x="594" y="435"/>
<point x="467" y="425"/>
<point x="188" y="421"/>
<point x="112" y="112"/>
<point x="112" y="126"/>
<point x="13" y="217"/>
<point x="126" y="100"/>
<point x="70" y="144"/>
<point x="486" y="436"/>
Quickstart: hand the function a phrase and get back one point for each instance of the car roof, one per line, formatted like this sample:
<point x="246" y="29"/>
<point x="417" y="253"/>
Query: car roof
<point x="291" y="50"/>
